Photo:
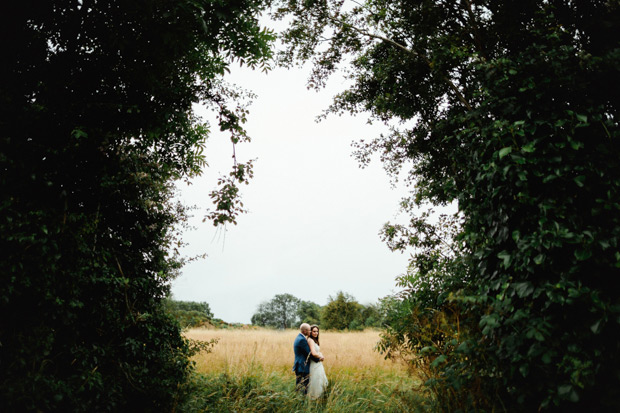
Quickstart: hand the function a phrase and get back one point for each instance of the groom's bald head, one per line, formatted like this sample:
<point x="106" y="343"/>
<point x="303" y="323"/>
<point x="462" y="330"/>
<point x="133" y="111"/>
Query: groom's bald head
<point x="304" y="328"/>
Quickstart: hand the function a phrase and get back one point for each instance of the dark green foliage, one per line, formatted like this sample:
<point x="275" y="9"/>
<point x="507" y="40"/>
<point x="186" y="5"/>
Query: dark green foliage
<point x="423" y="324"/>
<point x="96" y="124"/>
<point x="510" y="109"/>
<point x="189" y="313"/>
<point x="202" y="307"/>
<point x="219" y="323"/>
<point x="280" y="312"/>
<point x="309" y="312"/>
<point x="372" y="315"/>
<point x="342" y="312"/>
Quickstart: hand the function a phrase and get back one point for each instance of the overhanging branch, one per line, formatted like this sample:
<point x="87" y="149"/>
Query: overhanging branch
<point x="407" y="50"/>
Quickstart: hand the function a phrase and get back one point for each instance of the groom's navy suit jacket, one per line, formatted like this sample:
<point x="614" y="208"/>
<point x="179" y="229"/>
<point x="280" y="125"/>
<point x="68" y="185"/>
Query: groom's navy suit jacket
<point x="302" y="349"/>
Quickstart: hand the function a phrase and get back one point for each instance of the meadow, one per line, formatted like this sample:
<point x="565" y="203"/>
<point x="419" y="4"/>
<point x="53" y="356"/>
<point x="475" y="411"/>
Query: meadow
<point x="251" y="370"/>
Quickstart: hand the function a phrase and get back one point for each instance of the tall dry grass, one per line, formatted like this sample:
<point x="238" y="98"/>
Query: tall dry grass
<point x="242" y="351"/>
<point x="251" y="371"/>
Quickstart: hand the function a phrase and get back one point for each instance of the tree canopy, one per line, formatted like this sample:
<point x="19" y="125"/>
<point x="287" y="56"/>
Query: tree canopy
<point x="309" y="312"/>
<point x="508" y="110"/>
<point x="96" y="101"/>
<point x="340" y="312"/>
<point x="189" y="313"/>
<point x="279" y="312"/>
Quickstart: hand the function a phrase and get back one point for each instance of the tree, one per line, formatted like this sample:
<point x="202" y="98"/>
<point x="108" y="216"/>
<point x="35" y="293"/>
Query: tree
<point x="97" y="123"/>
<point x="341" y="312"/>
<point x="189" y="313"/>
<point x="510" y="111"/>
<point x="370" y="315"/>
<point x="201" y="307"/>
<point x="264" y="316"/>
<point x="309" y="312"/>
<point x="279" y="312"/>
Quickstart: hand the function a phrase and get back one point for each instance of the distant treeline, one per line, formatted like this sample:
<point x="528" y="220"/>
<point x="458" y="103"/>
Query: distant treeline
<point x="189" y="313"/>
<point x="195" y="314"/>
<point x="341" y="312"/>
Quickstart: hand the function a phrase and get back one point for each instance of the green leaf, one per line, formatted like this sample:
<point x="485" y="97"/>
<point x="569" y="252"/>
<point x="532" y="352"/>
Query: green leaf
<point x="529" y="147"/>
<point x="539" y="259"/>
<point x="463" y="347"/>
<point x="597" y="327"/>
<point x="574" y="396"/>
<point x="582" y="254"/>
<point x="524" y="289"/>
<point x="440" y="359"/>
<point x="582" y="118"/>
<point x="564" y="389"/>
<point x="579" y="180"/>
<point x="539" y="336"/>
<point x="506" y="257"/>
<point x="530" y="333"/>
<point x="567" y="391"/>
<point x="428" y="349"/>
<point x="77" y="134"/>
<point x="576" y="145"/>
<point x="504" y="151"/>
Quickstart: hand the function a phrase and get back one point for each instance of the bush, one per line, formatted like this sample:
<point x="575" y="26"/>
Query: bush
<point x="97" y="126"/>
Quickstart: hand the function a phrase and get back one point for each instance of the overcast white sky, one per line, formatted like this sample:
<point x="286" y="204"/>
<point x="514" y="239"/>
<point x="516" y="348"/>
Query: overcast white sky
<point x="314" y="218"/>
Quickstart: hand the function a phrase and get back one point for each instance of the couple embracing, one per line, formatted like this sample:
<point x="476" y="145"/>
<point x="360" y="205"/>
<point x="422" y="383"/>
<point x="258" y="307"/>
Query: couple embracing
<point x="308" y="367"/>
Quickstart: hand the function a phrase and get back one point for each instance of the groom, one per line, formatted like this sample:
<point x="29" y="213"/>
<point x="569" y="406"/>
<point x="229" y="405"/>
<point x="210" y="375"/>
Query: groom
<point x="301" y="366"/>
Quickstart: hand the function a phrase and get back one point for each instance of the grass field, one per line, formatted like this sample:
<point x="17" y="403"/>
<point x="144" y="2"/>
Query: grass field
<point x="251" y="370"/>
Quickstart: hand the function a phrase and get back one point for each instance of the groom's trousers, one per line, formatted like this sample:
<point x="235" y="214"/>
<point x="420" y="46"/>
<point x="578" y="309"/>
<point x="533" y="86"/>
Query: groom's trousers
<point x="301" y="382"/>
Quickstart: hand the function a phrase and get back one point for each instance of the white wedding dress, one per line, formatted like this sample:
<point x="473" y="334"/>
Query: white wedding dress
<point x="318" y="379"/>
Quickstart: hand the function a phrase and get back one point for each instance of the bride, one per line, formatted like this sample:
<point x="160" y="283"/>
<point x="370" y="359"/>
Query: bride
<point x="318" y="379"/>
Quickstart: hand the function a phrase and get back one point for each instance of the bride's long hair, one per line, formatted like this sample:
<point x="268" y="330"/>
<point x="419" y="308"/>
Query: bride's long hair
<point x="316" y="340"/>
